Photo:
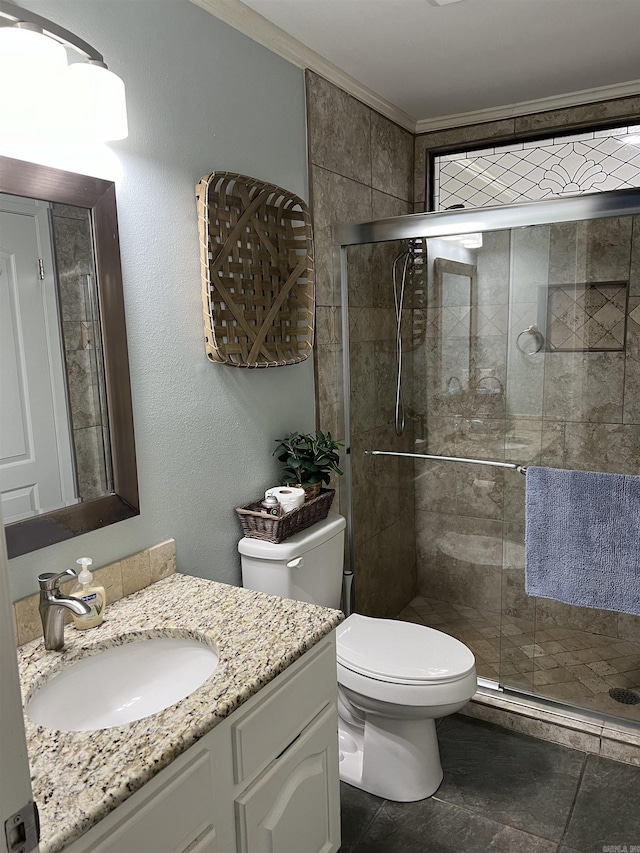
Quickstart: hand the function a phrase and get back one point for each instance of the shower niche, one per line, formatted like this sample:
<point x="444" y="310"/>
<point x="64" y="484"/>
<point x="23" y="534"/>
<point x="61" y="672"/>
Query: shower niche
<point x="516" y="342"/>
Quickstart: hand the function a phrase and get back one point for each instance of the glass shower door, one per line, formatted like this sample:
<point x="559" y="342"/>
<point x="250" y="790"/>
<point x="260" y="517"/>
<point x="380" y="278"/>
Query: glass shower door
<point x="572" y="397"/>
<point x="521" y="345"/>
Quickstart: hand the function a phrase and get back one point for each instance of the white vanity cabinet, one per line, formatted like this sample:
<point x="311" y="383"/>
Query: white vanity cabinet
<point x="264" y="779"/>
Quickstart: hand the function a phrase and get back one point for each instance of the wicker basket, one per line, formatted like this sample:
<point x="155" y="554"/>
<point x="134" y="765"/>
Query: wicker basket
<point x="256" y="255"/>
<point x="257" y="525"/>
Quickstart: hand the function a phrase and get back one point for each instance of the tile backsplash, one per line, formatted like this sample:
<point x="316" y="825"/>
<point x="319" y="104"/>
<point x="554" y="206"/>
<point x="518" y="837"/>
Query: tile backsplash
<point x="119" y="580"/>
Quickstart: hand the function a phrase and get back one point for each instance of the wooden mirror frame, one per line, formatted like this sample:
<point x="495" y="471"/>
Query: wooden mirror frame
<point x="54" y="185"/>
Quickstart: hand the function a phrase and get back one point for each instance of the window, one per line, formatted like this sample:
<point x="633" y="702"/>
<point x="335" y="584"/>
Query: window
<point x="586" y="162"/>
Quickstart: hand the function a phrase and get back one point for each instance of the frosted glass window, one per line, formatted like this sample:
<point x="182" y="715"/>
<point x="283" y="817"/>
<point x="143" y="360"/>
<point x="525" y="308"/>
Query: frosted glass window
<point x="530" y="171"/>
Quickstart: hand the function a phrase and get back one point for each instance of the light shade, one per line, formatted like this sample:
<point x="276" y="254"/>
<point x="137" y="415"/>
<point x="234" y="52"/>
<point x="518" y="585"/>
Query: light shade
<point x="31" y="51"/>
<point x="32" y="68"/>
<point x="97" y="102"/>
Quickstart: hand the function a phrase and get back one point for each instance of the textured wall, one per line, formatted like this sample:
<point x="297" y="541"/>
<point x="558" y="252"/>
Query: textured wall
<point x="201" y="97"/>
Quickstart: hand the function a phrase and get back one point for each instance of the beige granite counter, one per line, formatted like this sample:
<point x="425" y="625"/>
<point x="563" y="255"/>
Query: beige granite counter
<point x="79" y="777"/>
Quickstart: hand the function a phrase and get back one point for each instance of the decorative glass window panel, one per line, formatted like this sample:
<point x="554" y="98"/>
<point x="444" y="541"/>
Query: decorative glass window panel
<point x="594" y="161"/>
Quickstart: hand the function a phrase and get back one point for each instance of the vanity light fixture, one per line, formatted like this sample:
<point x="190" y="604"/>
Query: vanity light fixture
<point x="83" y="101"/>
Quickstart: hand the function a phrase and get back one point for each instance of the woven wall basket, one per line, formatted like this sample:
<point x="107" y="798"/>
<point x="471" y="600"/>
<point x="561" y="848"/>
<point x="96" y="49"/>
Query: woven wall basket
<point x="256" y="252"/>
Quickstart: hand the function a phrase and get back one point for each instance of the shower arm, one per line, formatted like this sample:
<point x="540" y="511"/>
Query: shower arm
<point x="521" y="469"/>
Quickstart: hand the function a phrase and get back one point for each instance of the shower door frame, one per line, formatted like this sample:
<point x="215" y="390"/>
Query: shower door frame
<point x="580" y="208"/>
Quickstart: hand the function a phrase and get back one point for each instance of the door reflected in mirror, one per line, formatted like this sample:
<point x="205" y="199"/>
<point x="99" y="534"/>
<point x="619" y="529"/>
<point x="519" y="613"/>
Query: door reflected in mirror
<point x="67" y="456"/>
<point x="54" y="441"/>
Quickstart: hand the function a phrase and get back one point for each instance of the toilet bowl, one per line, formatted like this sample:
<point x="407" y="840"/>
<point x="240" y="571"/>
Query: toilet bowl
<point x="394" y="678"/>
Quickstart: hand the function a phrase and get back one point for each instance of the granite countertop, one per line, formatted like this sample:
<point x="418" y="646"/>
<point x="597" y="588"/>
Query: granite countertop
<point x="79" y="777"/>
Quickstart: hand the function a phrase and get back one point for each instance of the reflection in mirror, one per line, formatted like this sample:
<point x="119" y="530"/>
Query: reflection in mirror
<point x="456" y="297"/>
<point x="67" y="458"/>
<point x="54" y="444"/>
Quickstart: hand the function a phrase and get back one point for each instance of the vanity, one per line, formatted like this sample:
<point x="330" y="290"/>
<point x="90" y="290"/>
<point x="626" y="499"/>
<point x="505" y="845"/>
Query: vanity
<point x="247" y="762"/>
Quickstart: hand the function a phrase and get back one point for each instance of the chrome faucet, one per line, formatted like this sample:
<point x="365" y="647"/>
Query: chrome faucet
<point x="52" y="606"/>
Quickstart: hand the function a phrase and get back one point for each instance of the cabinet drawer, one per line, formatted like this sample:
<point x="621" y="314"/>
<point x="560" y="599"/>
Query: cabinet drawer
<point x="262" y="733"/>
<point x="169" y="820"/>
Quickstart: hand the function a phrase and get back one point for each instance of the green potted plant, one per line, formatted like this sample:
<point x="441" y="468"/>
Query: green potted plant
<point x="309" y="460"/>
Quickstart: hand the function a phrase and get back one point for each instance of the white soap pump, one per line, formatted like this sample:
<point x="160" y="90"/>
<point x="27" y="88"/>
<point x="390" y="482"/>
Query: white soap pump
<point x="92" y="594"/>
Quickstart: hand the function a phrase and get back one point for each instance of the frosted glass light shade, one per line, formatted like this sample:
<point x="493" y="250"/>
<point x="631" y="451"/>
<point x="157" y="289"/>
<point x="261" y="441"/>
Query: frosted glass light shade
<point x="31" y="52"/>
<point x="32" y="68"/>
<point x="97" y="101"/>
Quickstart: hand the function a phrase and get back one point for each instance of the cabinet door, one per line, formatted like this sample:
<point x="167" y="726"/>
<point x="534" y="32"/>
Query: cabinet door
<point x="295" y="804"/>
<point x="171" y="814"/>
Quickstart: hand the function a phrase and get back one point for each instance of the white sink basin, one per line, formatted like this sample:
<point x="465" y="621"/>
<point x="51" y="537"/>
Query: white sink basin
<point x="122" y="684"/>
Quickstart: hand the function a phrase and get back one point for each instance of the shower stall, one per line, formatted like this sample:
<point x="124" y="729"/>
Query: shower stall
<point x="476" y="343"/>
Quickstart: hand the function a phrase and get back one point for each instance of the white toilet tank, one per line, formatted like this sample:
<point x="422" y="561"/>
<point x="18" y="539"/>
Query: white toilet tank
<point x="306" y="567"/>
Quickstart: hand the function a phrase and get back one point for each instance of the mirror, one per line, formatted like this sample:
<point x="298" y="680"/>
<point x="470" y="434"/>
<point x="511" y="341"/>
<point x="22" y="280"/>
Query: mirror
<point x="67" y="452"/>
<point x="456" y="297"/>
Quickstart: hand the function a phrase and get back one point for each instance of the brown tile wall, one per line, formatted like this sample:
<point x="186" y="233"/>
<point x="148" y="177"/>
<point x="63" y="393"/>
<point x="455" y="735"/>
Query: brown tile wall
<point x="359" y="164"/>
<point x="119" y="580"/>
<point x="576" y="410"/>
<point x="72" y="239"/>
<point x="361" y="168"/>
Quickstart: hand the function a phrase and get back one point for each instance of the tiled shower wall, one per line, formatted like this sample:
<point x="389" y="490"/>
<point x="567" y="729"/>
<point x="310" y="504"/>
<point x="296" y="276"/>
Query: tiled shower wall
<point x="73" y="246"/>
<point x="577" y="409"/>
<point x="586" y="402"/>
<point x="361" y="168"/>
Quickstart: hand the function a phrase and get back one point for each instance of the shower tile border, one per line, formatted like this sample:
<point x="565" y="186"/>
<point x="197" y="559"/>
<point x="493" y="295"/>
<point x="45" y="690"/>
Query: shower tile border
<point x="613" y="740"/>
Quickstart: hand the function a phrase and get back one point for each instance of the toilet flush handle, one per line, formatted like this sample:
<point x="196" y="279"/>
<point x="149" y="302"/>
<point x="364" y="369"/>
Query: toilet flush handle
<point x="296" y="563"/>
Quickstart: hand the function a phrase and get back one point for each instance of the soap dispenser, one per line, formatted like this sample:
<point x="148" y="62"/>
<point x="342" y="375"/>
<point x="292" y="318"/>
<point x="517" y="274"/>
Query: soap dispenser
<point x="92" y="594"/>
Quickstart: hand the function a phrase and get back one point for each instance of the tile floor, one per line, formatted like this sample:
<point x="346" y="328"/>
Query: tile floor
<point x="558" y="663"/>
<point x="507" y="792"/>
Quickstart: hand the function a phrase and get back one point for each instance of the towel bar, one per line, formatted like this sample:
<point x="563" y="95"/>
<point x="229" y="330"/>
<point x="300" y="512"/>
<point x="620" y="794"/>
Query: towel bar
<point x="521" y="469"/>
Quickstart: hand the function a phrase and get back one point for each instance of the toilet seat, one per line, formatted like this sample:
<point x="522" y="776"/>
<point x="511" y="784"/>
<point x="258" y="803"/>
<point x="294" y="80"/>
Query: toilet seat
<point x="401" y="652"/>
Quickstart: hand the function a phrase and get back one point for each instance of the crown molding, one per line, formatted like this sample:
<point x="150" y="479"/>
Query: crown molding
<point x="258" y="28"/>
<point x="556" y="102"/>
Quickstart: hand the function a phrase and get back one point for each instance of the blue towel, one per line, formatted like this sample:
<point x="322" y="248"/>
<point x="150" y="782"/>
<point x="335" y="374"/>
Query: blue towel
<point x="582" y="543"/>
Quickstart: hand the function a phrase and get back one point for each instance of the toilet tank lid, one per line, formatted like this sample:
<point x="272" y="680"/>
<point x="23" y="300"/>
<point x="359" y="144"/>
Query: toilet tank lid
<point x="295" y="545"/>
<point x="402" y="652"/>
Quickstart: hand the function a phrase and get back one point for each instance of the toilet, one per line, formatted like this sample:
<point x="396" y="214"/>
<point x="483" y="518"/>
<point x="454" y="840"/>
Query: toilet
<point x="394" y="678"/>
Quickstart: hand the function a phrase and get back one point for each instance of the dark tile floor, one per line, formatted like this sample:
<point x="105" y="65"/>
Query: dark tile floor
<point x="507" y="792"/>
